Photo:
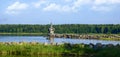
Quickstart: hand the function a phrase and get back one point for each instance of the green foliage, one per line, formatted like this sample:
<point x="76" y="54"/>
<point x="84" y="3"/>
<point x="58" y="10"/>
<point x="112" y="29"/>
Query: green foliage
<point x="40" y="49"/>
<point x="108" y="52"/>
<point x="59" y="50"/>
<point x="64" y="28"/>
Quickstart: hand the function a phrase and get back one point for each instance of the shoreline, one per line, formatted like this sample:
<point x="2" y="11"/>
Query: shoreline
<point x="115" y="37"/>
<point x="23" y="34"/>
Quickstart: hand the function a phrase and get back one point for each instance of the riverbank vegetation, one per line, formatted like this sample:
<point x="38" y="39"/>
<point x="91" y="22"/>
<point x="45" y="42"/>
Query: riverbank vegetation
<point x="34" y="48"/>
<point x="64" y="28"/>
<point x="23" y="34"/>
<point x="84" y="31"/>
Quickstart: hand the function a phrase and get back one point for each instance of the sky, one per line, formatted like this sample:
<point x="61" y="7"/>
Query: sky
<point x="60" y="11"/>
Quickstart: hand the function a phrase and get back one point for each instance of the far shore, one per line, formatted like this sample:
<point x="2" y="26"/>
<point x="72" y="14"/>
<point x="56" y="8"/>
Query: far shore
<point x="70" y="35"/>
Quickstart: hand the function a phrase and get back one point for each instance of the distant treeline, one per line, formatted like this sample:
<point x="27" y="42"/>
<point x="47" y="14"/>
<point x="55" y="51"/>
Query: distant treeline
<point x="64" y="28"/>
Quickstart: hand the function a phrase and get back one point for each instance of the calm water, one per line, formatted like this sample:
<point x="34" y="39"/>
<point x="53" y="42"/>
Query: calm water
<point x="56" y="40"/>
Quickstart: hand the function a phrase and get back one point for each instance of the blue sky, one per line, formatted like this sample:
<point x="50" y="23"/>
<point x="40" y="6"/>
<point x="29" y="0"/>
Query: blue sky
<point x="60" y="11"/>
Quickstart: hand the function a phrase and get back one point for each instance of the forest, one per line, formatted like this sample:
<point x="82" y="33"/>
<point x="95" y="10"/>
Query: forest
<point x="63" y="28"/>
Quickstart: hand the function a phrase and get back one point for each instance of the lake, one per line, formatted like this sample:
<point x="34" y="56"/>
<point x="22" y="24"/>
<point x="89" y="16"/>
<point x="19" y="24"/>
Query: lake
<point x="42" y="39"/>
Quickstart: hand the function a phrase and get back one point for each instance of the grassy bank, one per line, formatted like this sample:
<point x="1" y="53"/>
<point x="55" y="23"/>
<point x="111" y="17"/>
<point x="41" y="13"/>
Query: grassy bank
<point x="38" y="49"/>
<point x="111" y="39"/>
<point x="58" y="50"/>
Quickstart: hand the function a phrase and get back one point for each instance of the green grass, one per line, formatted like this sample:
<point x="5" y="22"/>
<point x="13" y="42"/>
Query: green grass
<point x="40" y="49"/>
<point x="58" y="50"/>
<point x="109" y="52"/>
<point x="111" y="39"/>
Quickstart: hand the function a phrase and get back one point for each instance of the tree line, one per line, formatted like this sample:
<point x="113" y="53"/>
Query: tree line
<point x="64" y="28"/>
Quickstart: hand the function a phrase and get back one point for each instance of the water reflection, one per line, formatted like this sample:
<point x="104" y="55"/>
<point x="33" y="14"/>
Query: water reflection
<point x="51" y="39"/>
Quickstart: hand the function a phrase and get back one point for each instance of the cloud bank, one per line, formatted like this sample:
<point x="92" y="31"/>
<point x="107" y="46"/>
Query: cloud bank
<point x="16" y="7"/>
<point x="69" y="6"/>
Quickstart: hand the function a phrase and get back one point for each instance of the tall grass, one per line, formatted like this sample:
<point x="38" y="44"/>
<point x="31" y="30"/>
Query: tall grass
<point x="40" y="49"/>
<point x="57" y="50"/>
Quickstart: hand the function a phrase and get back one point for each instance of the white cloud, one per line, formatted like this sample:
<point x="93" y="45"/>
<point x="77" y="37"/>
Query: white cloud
<point x="99" y="2"/>
<point x="109" y="2"/>
<point x="79" y="3"/>
<point x="104" y="5"/>
<point x="16" y="7"/>
<point x="52" y="6"/>
<point x="67" y="0"/>
<point x="69" y="6"/>
<point x="101" y="8"/>
<point x="57" y="7"/>
<point x="39" y="3"/>
<point x="115" y="1"/>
